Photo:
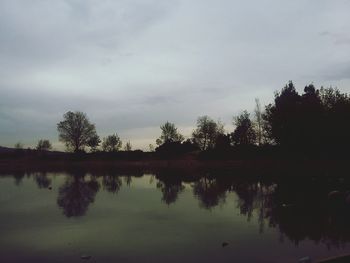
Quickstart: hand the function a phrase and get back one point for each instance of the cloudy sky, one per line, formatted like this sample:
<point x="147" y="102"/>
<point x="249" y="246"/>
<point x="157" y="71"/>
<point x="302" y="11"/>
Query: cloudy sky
<point x="134" y="64"/>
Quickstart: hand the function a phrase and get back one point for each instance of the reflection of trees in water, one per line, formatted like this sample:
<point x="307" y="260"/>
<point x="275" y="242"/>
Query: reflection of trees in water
<point x="76" y="194"/>
<point x="303" y="210"/>
<point x="42" y="180"/>
<point x="170" y="191"/>
<point x="112" y="180"/>
<point x="210" y="192"/>
<point x="255" y="196"/>
<point x="128" y="180"/>
<point x="298" y="207"/>
<point x="18" y="177"/>
<point x="170" y="185"/>
<point x="112" y="183"/>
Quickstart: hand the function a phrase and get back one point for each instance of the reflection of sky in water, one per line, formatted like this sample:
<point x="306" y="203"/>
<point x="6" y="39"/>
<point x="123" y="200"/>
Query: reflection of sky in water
<point x="135" y="224"/>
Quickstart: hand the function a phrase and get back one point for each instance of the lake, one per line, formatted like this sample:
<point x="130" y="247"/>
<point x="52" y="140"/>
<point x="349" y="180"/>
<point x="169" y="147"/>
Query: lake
<point x="171" y="216"/>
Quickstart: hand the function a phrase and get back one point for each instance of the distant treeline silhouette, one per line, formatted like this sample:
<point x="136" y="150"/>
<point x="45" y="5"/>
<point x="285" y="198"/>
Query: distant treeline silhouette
<point x="313" y="124"/>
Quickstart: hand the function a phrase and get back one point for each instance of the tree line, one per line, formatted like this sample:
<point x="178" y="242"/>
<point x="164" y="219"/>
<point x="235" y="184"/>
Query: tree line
<point x="314" y="122"/>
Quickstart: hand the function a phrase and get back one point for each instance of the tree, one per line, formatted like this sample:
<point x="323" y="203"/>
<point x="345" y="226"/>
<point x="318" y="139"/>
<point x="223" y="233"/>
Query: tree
<point x="44" y="145"/>
<point x="336" y="125"/>
<point x="128" y="146"/>
<point x="151" y="147"/>
<point x="244" y="133"/>
<point x="258" y="121"/>
<point x="311" y="118"/>
<point x="313" y="123"/>
<point x="94" y="142"/>
<point x="169" y="134"/>
<point x="175" y="149"/>
<point x="223" y="142"/>
<point x="76" y="131"/>
<point x="19" y="146"/>
<point x="111" y="143"/>
<point x="283" y="116"/>
<point x="206" y="133"/>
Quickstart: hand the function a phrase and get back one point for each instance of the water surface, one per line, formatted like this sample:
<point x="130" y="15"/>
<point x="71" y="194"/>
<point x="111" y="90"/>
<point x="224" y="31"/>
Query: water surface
<point x="170" y="217"/>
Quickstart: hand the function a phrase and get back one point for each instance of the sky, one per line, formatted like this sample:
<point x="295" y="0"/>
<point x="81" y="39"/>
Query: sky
<point x="132" y="65"/>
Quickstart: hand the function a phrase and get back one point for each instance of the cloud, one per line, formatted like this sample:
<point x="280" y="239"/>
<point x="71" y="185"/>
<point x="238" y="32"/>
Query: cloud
<point x="133" y="64"/>
<point x="337" y="72"/>
<point x="339" y="38"/>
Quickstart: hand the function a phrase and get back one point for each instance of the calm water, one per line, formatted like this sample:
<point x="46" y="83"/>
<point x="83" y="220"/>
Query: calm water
<point x="170" y="217"/>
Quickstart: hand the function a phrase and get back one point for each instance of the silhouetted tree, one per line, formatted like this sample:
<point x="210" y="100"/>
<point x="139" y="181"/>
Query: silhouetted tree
<point x="311" y="119"/>
<point x="336" y="125"/>
<point x="244" y="133"/>
<point x="19" y="145"/>
<point x="94" y="142"/>
<point x="76" y="130"/>
<point x="190" y="145"/>
<point x="175" y="149"/>
<point x="169" y="134"/>
<point x="259" y="125"/>
<point x="314" y="122"/>
<point x="44" y="145"/>
<point x="151" y="147"/>
<point x="206" y="133"/>
<point x="282" y="117"/>
<point x="128" y="146"/>
<point x="111" y="143"/>
<point x="223" y="142"/>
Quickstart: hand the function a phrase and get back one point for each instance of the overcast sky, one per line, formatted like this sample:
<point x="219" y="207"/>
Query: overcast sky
<point x="131" y="65"/>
